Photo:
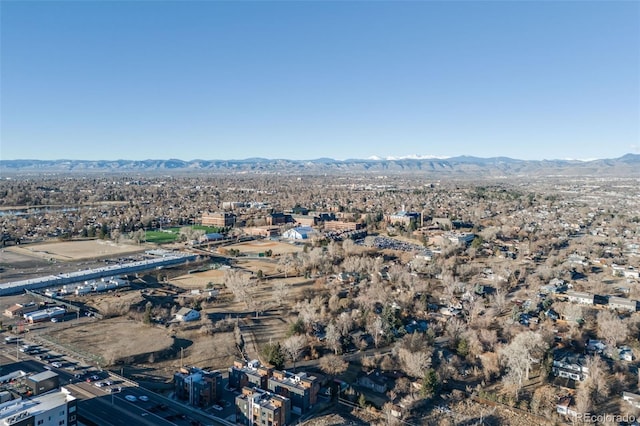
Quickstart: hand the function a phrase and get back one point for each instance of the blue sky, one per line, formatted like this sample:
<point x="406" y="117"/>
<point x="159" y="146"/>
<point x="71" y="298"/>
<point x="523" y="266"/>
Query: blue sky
<point x="309" y="79"/>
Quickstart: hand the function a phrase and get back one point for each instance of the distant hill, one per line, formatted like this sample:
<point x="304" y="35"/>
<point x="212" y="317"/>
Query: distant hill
<point x="627" y="165"/>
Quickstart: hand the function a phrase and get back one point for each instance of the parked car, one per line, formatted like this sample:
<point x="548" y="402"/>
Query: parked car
<point x="56" y="364"/>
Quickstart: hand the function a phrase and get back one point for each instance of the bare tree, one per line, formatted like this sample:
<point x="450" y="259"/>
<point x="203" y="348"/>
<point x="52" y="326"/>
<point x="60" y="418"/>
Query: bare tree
<point x="239" y="283"/>
<point x="293" y="347"/>
<point x="519" y="356"/>
<point x="280" y="293"/>
<point x="611" y="328"/>
<point x="376" y="329"/>
<point x="333" y="364"/>
<point x="332" y="335"/>
<point x="415" y="364"/>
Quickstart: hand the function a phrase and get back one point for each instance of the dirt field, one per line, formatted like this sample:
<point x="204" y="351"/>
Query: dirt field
<point x="199" y="280"/>
<point x="259" y="246"/>
<point x="76" y="250"/>
<point x="114" y="339"/>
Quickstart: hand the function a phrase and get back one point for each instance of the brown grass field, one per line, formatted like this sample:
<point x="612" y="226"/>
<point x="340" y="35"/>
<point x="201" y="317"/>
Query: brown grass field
<point x="115" y="338"/>
<point x="259" y="246"/>
<point x="70" y="251"/>
<point x="199" y="280"/>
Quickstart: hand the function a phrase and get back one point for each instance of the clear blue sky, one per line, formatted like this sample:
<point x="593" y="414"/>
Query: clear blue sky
<point x="302" y="80"/>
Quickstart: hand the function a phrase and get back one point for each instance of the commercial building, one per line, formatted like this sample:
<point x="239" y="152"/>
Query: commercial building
<point x="199" y="387"/>
<point x="19" y="310"/>
<point x="53" y="409"/>
<point x="256" y="407"/>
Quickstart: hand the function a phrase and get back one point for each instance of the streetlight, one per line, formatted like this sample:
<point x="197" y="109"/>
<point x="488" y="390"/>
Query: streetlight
<point x="114" y="391"/>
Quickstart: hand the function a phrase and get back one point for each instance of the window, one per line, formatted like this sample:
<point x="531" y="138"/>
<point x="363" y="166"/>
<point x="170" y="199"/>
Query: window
<point x="40" y="421"/>
<point x="61" y="422"/>
<point x="72" y="409"/>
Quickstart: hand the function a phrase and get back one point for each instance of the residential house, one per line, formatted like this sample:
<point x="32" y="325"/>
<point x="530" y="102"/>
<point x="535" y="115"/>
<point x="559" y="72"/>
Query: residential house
<point x="374" y="380"/>
<point x="569" y="365"/>
<point x="566" y="407"/>
<point x="583" y="298"/>
<point x="622" y="304"/>
<point x="631" y="398"/>
<point x="187" y="314"/>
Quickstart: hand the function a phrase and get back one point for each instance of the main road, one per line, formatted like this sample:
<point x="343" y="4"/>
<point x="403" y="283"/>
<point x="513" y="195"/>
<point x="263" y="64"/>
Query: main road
<point x="122" y="403"/>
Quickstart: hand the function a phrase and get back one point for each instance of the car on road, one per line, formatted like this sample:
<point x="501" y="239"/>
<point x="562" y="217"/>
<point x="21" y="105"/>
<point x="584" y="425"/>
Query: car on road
<point x="144" y="398"/>
<point x="217" y="407"/>
<point x="130" y="398"/>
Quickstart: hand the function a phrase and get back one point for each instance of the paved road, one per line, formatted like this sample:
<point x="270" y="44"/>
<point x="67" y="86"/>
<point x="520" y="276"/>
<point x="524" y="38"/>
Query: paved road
<point x="107" y="405"/>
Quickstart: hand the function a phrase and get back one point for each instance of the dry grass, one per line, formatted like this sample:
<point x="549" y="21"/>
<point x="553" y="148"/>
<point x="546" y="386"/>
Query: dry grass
<point x="114" y="339"/>
<point x="260" y="246"/>
<point x="76" y="250"/>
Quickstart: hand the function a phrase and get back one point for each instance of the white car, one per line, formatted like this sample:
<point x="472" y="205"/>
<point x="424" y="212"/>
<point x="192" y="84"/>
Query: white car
<point x="99" y="384"/>
<point x="56" y="364"/>
<point x="130" y="398"/>
<point x="144" y="398"/>
<point x="217" y="407"/>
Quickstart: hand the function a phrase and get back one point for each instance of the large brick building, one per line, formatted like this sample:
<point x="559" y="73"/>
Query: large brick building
<point x="218" y="219"/>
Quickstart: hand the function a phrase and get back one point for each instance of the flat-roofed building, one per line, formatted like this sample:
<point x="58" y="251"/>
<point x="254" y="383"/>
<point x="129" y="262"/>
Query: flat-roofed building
<point x="257" y="407"/>
<point x="221" y="219"/>
<point x="339" y="225"/>
<point x="251" y="374"/>
<point x="199" y="387"/>
<point x="300" y="388"/>
<point x="52" y="409"/>
<point x="43" y="382"/>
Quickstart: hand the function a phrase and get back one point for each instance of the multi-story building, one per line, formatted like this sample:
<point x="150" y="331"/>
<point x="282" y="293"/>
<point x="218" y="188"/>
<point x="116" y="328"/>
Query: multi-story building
<point x="223" y="219"/>
<point x="256" y="407"/>
<point x="301" y="389"/>
<point x="250" y="374"/>
<point x="279" y="218"/>
<point x="338" y="225"/>
<point x="404" y="218"/>
<point x="569" y="365"/>
<point x="51" y="409"/>
<point x="200" y="388"/>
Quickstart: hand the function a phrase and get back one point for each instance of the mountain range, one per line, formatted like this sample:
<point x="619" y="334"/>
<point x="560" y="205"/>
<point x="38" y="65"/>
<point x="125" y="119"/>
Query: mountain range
<point x="627" y="165"/>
